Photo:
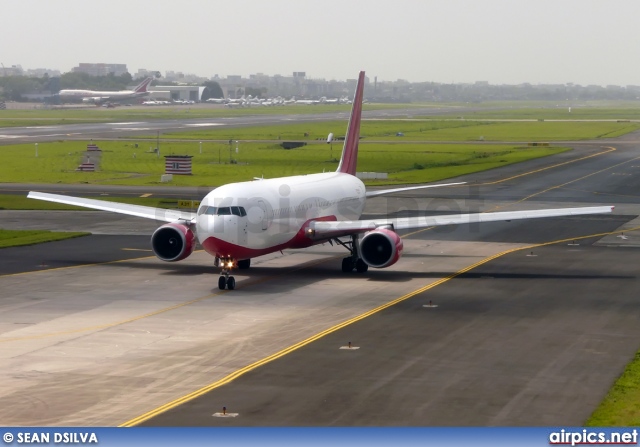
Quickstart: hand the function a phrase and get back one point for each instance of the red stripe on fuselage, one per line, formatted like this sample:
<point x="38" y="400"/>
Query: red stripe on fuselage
<point x="223" y="249"/>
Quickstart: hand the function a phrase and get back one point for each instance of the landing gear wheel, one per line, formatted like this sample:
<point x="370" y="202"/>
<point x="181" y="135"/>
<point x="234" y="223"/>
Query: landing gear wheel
<point x="231" y="283"/>
<point x="244" y="264"/>
<point x="222" y="282"/>
<point x="347" y="265"/>
<point x="361" y="266"/>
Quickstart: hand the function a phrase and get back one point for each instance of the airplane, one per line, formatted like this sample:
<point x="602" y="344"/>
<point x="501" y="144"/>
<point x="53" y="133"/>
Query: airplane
<point x="217" y="100"/>
<point x="97" y="97"/>
<point x="240" y="221"/>
<point x="310" y="101"/>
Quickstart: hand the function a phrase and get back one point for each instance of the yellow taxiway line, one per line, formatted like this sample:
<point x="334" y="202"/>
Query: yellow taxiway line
<point x="230" y="377"/>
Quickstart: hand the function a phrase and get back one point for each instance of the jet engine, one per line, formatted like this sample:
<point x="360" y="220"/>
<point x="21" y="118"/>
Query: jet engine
<point x="173" y="242"/>
<point x="381" y="248"/>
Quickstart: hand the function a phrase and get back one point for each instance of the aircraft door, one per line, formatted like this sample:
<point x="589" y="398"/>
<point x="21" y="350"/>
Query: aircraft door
<point x="266" y="220"/>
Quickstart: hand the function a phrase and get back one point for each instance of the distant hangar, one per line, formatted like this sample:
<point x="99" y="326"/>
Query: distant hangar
<point x="175" y="92"/>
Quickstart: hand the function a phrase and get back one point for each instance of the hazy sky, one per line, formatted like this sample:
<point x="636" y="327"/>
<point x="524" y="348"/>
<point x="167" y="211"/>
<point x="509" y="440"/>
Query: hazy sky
<point x="500" y="41"/>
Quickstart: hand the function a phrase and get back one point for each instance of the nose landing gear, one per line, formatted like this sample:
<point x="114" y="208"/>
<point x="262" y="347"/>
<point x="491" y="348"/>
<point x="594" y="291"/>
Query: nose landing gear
<point x="226" y="281"/>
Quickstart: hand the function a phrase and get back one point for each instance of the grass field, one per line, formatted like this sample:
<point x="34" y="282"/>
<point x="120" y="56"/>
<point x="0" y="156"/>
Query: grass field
<point x="617" y="111"/>
<point x="405" y="163"/>
<point x="407" y="158"/>
<point x="11" y="238"/>
<point x="621" y="406"/>
<point x="420" y="130"/>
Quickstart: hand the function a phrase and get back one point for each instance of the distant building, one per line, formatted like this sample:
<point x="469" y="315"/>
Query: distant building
<point x="144" y="73"/>
<point x="40" y="72"/>
<point x="101" y="69"/>
<point x="174" y="92"/>
<point x="14" y="70"/>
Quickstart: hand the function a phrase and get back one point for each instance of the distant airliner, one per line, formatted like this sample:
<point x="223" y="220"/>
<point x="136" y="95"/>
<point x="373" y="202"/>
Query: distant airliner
<point x="240" y="221"/>
<point x="97" y="97"/>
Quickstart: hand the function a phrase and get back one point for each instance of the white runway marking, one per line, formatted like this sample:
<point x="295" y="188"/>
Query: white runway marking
<point x="13" y="136"/>
<point x="225" y="415"/>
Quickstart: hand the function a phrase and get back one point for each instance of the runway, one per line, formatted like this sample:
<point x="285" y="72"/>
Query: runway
<point x="83" y="131"/>
<point x="522" y="334"/>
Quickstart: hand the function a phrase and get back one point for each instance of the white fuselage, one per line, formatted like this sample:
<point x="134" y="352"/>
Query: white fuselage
<point x="104" y="96"/>
<point x="275" y="212"/>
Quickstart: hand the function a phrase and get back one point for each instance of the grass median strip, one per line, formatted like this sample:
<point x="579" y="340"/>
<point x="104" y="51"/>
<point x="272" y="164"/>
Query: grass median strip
<point x="15" y="238"/>
<point x="621" y="406"/>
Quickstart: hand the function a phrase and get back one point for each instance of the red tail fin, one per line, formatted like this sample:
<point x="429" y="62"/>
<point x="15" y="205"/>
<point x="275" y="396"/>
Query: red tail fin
<point x="142" y="87"/>
<point x="350" y="150"/>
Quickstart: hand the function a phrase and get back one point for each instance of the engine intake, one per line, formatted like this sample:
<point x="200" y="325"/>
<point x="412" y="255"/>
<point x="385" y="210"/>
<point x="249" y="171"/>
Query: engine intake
<point x="173" y="242"/>
<point x="381" y="248"/>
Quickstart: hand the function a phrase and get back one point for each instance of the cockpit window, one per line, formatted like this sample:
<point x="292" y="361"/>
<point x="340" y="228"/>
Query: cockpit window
<point x="223" y="211"/>
<point x="238" y="211"/>
<point x="211" y="210"/>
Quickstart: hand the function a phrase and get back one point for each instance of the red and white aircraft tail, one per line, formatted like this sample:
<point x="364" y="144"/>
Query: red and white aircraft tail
<point x="142" y="87"/>
<point x="240" y="221"/>
<point x="349" y="158"/>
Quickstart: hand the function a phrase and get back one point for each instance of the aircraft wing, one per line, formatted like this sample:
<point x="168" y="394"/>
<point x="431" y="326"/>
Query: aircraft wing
<point x="381" y="192"/>
<point x="147" y="212"/>
<point x="324" y="229"/>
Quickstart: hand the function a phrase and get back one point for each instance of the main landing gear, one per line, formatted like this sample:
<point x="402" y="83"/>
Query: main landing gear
<point x="354" y="261"/>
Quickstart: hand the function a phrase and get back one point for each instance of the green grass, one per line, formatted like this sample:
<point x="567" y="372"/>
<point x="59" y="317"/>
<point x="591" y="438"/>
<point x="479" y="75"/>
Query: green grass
<point x="419" y="130"/>
<point x="628" y="111"/>
<point x="11" y="238"/>
<point x="408" y="162"/>
<point x="621" y="406"/>
<point x="407" y="159"/>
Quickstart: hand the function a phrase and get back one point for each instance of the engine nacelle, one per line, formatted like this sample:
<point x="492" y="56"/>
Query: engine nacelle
<point x="381" y="248"/>
<point x="173" y="242"/>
